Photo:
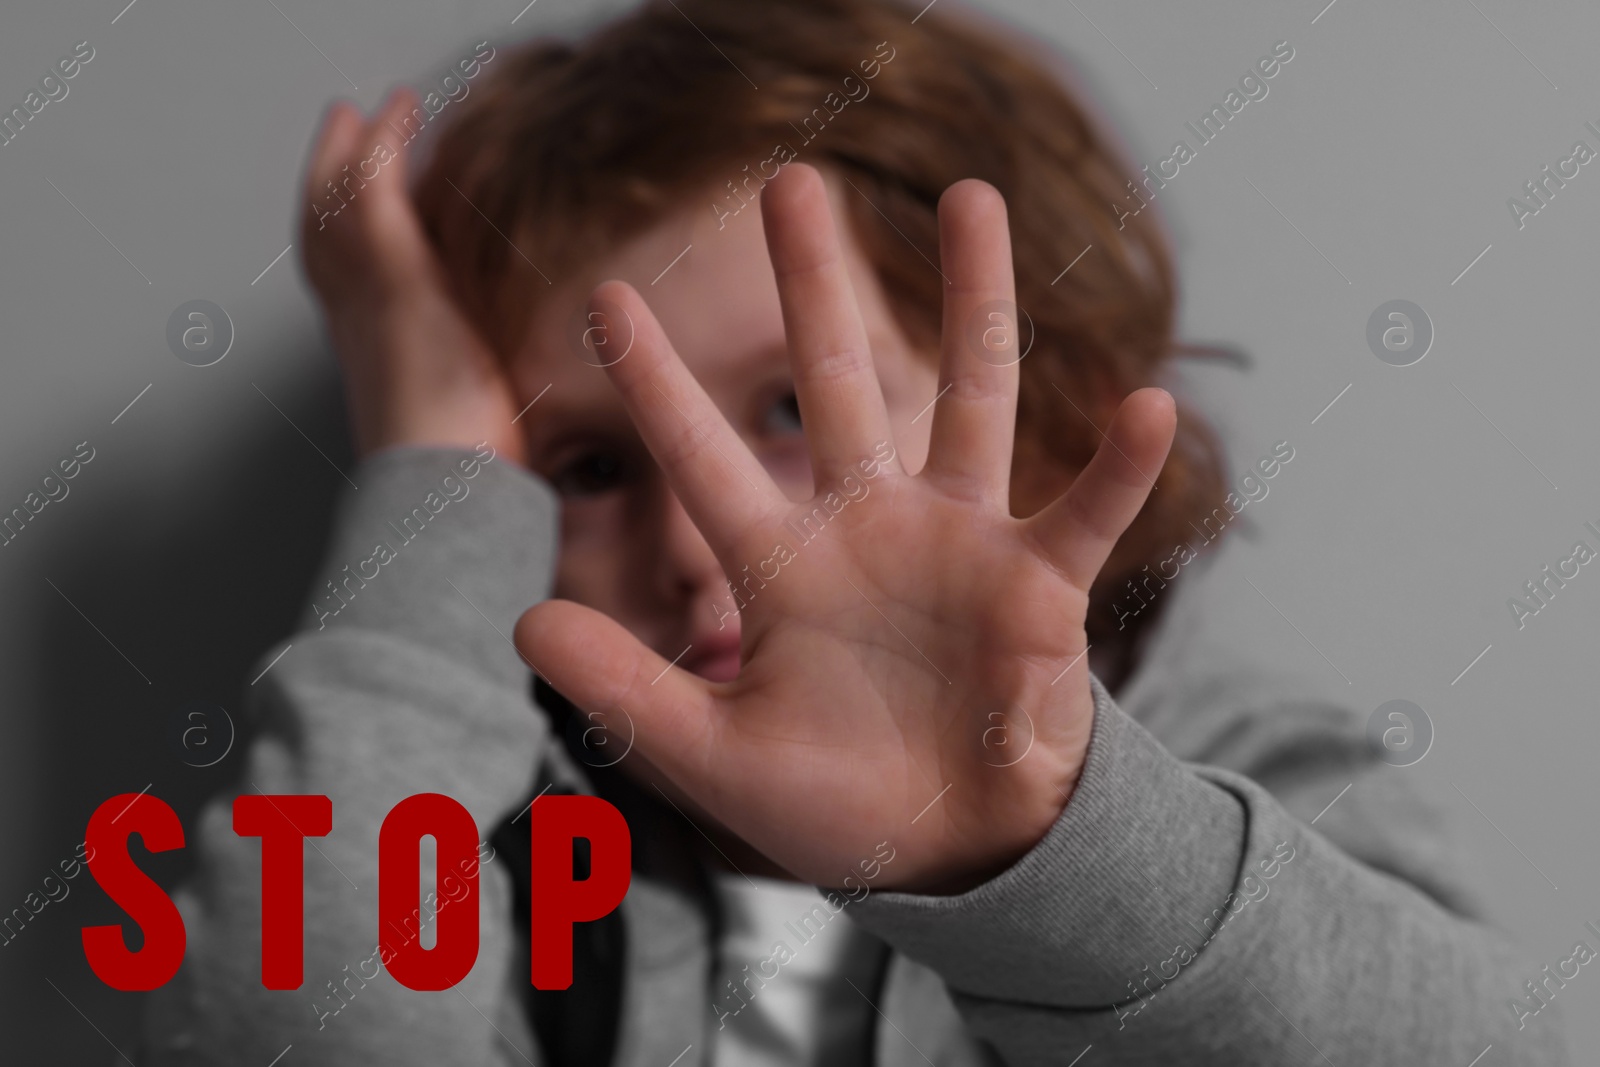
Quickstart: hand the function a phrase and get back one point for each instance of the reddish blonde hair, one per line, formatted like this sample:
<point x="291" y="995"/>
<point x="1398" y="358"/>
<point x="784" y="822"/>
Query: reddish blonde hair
<point x="570" y="148"/>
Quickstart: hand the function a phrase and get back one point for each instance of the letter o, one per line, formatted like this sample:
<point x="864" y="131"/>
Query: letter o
<point x="456" y="943"/>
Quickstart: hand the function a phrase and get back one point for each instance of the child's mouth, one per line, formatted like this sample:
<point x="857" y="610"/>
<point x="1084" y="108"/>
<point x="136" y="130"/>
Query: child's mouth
<point x="714" y="658"/>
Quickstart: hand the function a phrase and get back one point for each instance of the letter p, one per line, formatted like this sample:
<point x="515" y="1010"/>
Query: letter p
<point x="559" y="898"/>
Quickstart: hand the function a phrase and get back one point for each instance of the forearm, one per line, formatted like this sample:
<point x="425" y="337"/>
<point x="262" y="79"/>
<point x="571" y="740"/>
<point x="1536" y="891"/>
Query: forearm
<point x="406" y="688"/>
<point x="1179" y="914"/>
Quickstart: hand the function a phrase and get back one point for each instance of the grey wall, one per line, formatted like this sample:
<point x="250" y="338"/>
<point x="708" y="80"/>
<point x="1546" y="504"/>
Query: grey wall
<point x="1377" y="168"/>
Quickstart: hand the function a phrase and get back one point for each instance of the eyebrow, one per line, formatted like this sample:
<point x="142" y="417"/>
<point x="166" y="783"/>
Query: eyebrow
<point x="558" y="415"/>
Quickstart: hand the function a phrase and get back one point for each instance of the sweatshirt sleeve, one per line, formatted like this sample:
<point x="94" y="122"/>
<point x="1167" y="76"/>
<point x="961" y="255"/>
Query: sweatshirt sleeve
<point x="401" y="679"/>
<point x="1179" y="913"/>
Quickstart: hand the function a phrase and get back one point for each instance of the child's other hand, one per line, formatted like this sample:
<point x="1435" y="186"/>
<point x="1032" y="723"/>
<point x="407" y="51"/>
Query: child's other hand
<point x="415" y="370"/>
<point x="890" y="656"/>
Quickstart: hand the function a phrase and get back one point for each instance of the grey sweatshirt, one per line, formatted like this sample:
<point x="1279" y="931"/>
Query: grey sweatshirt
<point x="1181" y="910"/>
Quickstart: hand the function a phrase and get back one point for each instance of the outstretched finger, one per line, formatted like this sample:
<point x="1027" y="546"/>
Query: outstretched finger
<point x="841" y="403"/>
<point x="669" y="714"/>
<point x="379" y="164"/>
<point x="389" y="130"/>
<point x="723" y="486"/>
<point x="1081" y="527"/>
<point x="341" y="130"/>
<point x="975" y="414"/>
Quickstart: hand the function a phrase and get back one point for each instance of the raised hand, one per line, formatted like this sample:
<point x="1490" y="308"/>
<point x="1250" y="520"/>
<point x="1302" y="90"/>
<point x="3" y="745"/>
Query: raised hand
<point x="415" y="371"/>
<point x="889" y="657"/>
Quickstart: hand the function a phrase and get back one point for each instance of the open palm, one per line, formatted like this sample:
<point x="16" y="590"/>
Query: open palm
<point x="913" y="673"/>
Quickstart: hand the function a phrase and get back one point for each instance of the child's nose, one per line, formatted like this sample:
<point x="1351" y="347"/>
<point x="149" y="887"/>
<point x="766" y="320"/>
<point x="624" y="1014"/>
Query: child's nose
<point x="687" y="566"/>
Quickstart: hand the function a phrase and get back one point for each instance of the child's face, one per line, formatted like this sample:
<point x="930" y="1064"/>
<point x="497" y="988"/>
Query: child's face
<point x="628" y="549"/>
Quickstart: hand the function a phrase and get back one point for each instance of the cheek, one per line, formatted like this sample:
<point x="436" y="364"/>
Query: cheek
<point x="593" y="554"/>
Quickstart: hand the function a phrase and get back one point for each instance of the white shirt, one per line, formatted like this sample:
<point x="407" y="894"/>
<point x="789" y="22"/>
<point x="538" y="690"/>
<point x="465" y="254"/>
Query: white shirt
<point x="783" y="995"/>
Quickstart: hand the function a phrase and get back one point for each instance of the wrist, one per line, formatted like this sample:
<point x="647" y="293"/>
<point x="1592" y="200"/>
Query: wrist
<point x="391" y="405"/>
<point x="1017" y="800"/>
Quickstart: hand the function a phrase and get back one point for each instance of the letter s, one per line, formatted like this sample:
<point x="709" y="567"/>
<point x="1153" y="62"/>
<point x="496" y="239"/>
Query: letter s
<point x="78" y="48"/>
<point x="135" y="892"/>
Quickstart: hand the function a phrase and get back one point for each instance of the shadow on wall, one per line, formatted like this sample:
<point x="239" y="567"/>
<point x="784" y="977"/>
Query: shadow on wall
<point x="194" y="591"/>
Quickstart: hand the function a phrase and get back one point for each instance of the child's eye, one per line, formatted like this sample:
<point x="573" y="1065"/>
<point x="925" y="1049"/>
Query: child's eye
<point x="590" y="474"/>
<point x="783" y="416"/>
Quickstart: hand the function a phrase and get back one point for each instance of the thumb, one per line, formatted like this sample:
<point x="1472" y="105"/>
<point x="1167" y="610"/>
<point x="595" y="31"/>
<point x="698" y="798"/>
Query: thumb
<point x="598" y="665"/>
